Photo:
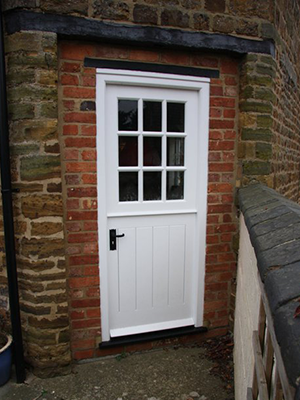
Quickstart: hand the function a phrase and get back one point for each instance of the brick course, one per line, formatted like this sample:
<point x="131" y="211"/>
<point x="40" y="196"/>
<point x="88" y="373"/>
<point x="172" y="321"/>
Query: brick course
<point x="83" y="266"/>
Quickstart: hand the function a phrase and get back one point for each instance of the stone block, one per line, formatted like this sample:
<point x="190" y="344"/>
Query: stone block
<point x="260" y="9"/>
<point x="26" y="41"/>
<point x="45" y="298"/>
<point x="45" y="323"/>
<point x="265" y="70"/>
<point x="35" y="310"/>
<point x="247" y="92"/>
<point x="216" y="6"/>
<point x="31" y="93"/>
<point x="256" y="168"/>
<point x="201" y="22"/>
<point x="256" y="106"/>
<point x="268" y="31"/>
<point x="45" y="228"/>
<point x="145" y="15"/>
<point x="54" y="187"/>
<point x="38" y="130"/>
<point x="111" y="9"/>
<point x="224" y="24"/>
<point x="174" y="17"/>
<point x="42" y="336"/>
<point x="47" y="78"/>
<point x="264" y="121"/>
<point x="265" y="135"/>
<point x="20" y="111"/>
<point x="40" y="167"/>
<point x="42" y="248"/>
<point x="263" y="151"/>
<point x="257" y="80"/>
<point x="65" y="7"/>
<point x="265" y="94"/>
<point x="42" y="206"/>
<point x="21" y="150"/>
<point x="246" y="27"/>
<point x="17" y="76"/>
<point x="35" y="266"/>
<point x="48" y="110"/>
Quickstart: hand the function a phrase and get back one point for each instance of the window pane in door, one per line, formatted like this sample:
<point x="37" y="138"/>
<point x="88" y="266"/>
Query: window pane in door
<point x="152" y="151"/>
<point x="175" y="151"/>
<point x="152" y="185"/>
<point x="128" y="115"/>
<point x="128" y="151"/>
<point x="152" y="116"/>
<point x="175" y="184"/>
<point x="175" y="117"/>
<point x="128" y="186"/>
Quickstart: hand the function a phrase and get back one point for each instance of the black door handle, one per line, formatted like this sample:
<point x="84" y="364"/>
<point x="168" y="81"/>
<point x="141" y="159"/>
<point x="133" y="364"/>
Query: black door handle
<point x="112" y="239"/>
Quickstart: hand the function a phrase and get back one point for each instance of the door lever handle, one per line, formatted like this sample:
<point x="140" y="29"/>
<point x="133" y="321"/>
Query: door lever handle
<point x="113" y="239"/>
<point x="123" y="234"/>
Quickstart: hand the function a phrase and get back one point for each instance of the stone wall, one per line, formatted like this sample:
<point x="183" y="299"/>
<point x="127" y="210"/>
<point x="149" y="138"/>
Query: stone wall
<point x="269" y="253"/>
<point x="286" y="145"/>
<point x="38" y="208"/>
<point x="238" y="17"/>
<point x="78" y="144"/>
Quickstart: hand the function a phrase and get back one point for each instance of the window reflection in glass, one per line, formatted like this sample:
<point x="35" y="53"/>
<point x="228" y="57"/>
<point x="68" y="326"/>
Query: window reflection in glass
<point x="175" y="185"/>
<point x="175" y="151"/>
<point x="128" y="115"/>
<point x="128" y="186"/>
<point x="152" y="116"/>
<point x="175" y="117"/>
<point x="128" y="151"/>
<point x="152" y="151"/>
<point x="152" y="185"/>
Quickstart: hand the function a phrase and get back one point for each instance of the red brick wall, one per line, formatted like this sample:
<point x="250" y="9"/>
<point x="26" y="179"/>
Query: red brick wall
<point x="78" y="144"/>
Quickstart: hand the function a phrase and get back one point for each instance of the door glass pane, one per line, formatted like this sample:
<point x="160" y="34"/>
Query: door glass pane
<point x="128" y="115"/>
<point x="175" y="117"/>
<point x="175" y="151"/>
<point x="152" y="116"/>
<point x="175" y="180"/>
<point x="128" y="186"/>
<point x="128" y="151"/>
<point x="152" y="185"/>
<point x="152" y="151"/>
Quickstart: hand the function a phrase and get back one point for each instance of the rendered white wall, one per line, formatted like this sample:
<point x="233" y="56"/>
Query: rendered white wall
<point x="246" y="314"/>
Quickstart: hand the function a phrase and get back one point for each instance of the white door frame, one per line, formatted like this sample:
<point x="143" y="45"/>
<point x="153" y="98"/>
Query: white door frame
<point x="106" y="77"/>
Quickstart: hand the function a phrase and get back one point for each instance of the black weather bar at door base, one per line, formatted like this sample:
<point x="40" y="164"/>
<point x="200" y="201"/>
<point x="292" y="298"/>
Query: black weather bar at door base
<point x="151" y="336"/>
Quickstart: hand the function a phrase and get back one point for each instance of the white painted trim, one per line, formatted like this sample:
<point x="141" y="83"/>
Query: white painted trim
<point x="118" y="76"/>
<point x="137" y="214"/>
<point x="138" y="78"/>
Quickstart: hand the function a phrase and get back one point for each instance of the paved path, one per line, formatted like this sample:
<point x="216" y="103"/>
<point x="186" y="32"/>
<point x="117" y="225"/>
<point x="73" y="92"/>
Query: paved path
<point x="167" y="374"/>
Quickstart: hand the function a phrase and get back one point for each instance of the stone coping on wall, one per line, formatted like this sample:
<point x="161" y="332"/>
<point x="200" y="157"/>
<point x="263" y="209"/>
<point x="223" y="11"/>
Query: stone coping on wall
<point x="273" y="223"/>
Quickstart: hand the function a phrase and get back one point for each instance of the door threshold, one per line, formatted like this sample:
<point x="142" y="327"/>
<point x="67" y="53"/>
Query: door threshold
<point x="151" y="336"/>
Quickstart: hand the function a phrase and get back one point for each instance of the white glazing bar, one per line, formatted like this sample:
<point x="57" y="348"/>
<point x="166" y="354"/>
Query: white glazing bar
<point x="164" y="151"/>
<point x="140" y="149"/>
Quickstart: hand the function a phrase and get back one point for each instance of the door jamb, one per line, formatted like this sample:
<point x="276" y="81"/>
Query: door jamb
<point x="105" y="77"/>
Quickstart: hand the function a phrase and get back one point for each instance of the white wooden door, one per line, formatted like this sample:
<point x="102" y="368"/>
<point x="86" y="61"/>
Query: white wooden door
<point x="153" y="273"/>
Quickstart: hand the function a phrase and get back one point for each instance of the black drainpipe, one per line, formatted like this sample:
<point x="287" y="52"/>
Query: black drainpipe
<point x="6" y="190"/>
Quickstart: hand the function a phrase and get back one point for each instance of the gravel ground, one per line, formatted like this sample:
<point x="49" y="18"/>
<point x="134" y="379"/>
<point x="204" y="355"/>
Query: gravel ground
<point x="183" y="373"/>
